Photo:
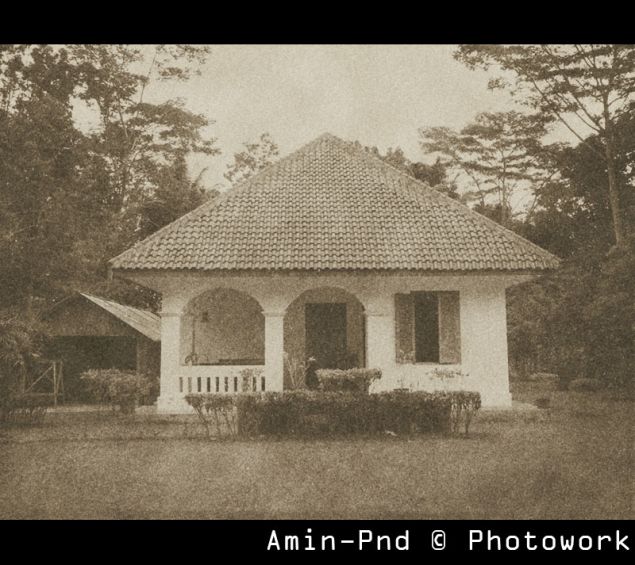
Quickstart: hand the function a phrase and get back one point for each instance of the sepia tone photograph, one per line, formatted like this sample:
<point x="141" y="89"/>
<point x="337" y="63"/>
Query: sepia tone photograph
<point x="307" y="282"/>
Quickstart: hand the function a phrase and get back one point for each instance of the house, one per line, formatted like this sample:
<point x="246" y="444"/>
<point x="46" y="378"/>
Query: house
<point x="89" y="332"/>
<point x="334" y="254"/>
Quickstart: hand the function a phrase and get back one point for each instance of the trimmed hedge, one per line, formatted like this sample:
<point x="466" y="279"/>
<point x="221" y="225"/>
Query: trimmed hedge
<point x="347" y="380"/>
<point x="335" y="413"/>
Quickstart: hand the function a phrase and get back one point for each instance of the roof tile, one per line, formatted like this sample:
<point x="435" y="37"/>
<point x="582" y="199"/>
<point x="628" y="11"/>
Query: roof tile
<point x="332" y="206"/>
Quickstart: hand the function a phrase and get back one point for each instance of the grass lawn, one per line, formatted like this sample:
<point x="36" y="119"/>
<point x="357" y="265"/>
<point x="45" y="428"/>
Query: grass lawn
<point x="572" y="461"/>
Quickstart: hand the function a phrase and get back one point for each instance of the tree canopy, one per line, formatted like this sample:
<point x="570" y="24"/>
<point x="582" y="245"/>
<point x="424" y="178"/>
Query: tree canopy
<point x="73" y="196"/>
<point x="587" y="88"/>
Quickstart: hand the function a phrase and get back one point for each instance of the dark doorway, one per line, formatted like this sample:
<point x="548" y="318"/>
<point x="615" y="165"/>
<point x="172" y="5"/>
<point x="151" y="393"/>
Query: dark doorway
<point x="326" y="334"/>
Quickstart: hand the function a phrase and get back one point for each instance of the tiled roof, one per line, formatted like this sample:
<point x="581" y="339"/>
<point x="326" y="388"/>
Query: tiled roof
<point x="145" y="322"/>
<point x="332" y="206"/>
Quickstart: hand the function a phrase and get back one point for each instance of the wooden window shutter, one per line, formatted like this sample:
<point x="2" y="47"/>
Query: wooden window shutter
<point x="449" y="327"/>
<point x="404" y="328"/>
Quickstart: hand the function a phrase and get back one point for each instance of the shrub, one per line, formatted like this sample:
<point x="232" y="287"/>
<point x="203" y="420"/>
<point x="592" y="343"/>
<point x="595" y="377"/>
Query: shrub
<point x="347" y="380"/>
<point x="587" y="385"/>
<point x="27" y="408"/>
<point x="318" y="413"/>
<point x="295" y="369"/>
<point x="19" y="351"/>
<point x="123" y="389"/>
<point x="154" y="388"/>
<point x="250" y="379"/>
<point x="215" y="408"/>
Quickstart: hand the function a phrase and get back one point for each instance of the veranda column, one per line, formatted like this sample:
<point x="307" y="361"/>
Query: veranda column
<point x="170" y="398"/>
<point x="274" y="350"/>
<point x="380" y="338"/>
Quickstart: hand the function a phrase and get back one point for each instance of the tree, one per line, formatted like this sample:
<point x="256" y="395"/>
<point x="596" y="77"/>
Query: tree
<point x="578" y="321"/>
<point x="435" y="175"/>
<point x="255" y="157"/>
<point x="500" y="155"/>
<point x="175" y="195"/>
<point x="573" y="213"/>
<point x="42" y="166"/>
<point x="587" y="88"/>
<point x="75" y="198"/>
<point x="19" y="347"/>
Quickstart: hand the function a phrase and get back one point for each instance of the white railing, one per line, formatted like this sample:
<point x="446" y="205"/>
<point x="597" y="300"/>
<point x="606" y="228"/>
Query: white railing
<point x="221" y="379"/>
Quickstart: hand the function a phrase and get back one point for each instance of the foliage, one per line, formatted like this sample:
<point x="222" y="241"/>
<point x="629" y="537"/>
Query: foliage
<point x="446" y="374"/>
<point x="123" y="389"/>
<point x="27" y="408"/>
<point x="88" y="165"/>
<point x="573" y="215"/>
<point x="577" y="322"/>
<point x="255" y="157"/>
<point x="434" y="175"/>
<point x="305" y="412"/>
<point x="500" y="155"/>
<point x="347" y="380"/>
<point x="250" y="379"/>
<point x="217" y="409"/>
<point x="295" y="369"/>
<point x="587" y="88"/>
<point x="19" y="349"/>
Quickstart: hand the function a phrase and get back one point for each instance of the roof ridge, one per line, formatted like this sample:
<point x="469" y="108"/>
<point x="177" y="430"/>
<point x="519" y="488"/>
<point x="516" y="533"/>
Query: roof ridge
<point x="494" y="226"/>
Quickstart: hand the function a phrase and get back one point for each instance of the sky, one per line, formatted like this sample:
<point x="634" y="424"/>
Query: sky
<point x="376" y="94"/>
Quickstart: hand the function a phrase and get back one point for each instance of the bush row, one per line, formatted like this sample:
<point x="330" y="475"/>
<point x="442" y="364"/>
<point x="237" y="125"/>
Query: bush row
<point x="332" y="413"/>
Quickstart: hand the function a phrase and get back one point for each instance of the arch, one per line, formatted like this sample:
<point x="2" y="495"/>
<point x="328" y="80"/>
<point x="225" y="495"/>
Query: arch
<point x="222" y="326"/>
<point x="313" y="326"/>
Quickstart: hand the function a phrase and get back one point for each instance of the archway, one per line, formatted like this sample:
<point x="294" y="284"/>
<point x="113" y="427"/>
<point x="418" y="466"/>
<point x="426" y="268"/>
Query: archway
<point x="325" y="323"/>
<point x="223" y="326"/>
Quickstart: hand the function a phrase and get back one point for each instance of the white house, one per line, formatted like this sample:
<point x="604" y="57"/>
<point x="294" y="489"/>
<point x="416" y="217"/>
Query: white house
<point x="334" y="254"/>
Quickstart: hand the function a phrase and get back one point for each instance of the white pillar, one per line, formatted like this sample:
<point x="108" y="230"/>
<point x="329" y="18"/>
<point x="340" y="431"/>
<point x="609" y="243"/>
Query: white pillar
<point x="170" y="399"/>
<point x="484" y="344"/>
<point x="274" y="350"/>
<point x="380" y="338"/>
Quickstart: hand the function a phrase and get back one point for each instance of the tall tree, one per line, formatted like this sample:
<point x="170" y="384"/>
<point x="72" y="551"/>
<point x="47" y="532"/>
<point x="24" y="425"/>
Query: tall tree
<point x="43" y="160"/>
<point x="138" y="137"/>
<point x="56" y="175"/>
<point x="175" y="195"/>
<point x="256" y="156"/>
<point x="500" y="155"/>
<point x="585" y="87"/>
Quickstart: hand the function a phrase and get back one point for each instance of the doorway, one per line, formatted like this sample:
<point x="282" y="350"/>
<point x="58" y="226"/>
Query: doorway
<point x="326" y="333"/>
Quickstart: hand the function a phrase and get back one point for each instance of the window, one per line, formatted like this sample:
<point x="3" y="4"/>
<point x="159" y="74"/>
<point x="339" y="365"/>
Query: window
<point x="428" y="327"/>
<point x="426" y="330"/>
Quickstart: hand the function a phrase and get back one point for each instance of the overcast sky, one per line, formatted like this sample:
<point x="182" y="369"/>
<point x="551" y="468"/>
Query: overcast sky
<point x="379" y="95"/>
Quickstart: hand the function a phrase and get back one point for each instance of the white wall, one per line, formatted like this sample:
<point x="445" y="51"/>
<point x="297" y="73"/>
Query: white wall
<point x="483" y="322"/>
